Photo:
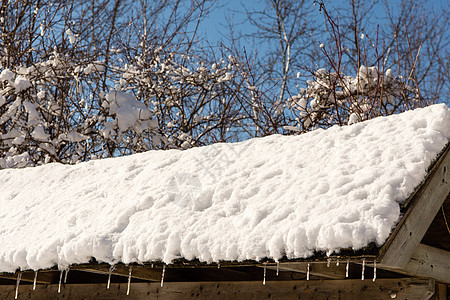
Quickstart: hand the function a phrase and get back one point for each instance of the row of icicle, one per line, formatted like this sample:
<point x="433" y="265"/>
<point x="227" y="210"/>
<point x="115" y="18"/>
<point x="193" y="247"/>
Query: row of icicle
<point x="112" y="268"/>
<point x="308" y="267"/>
<point x="19" y="277"/>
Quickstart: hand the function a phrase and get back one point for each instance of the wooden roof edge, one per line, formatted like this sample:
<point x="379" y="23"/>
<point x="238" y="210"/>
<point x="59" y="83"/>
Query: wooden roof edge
<point x="422" y="208"/>
<point x="102" y="267"/>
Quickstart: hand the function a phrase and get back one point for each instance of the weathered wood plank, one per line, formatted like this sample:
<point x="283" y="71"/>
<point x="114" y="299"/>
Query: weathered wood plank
<point x="180" y="274"/>
<point x="43" y="277"/>
<point x="431" y="289"/>
<point x="401" y="244"/>
<point x="140" y="272"/>
<point x="316" y="269"/>
<point x="313" y="289"/>
<point x="440" y="292"/>
<point x="428" y="261"/>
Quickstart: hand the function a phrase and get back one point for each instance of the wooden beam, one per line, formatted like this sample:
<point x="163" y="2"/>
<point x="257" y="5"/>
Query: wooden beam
<point x="180" y="274"/>
<point x="428" y="261"/>
<point x="409" y="288"/>
<point x="400" y="246"/>
<point x="44" y="277"/>
<point x="139" y="272"/>
<point x="316" y="269"/>
<point x="431" y="289"/>
<point x="441" y="292"/>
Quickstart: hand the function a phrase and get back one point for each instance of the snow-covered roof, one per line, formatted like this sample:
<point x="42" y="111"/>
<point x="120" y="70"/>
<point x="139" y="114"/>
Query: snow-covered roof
<point x="266" y="197"/>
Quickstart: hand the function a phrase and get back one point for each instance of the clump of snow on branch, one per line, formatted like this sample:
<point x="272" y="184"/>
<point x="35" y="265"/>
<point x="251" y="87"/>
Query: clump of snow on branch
<point x="342" y="99"/>
<point x="127" y="112"/>
<point x="51" y="111"/>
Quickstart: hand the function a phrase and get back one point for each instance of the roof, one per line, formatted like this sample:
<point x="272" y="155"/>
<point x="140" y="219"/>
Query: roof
<point x="274" y="197"/>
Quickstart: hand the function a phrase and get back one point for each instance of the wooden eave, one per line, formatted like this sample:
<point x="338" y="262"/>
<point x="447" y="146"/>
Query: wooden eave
<point x="404" y="251"/>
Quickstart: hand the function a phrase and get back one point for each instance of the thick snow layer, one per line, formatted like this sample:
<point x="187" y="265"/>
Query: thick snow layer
<point x="266" y="197"/>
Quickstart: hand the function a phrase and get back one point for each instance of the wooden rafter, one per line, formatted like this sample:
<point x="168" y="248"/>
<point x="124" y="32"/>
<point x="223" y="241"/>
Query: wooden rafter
<point x="44" y="277"/>
<point x="316" y="269"/>
<point x="428" y="261"/>
<point x="139" y="272"/>
<point x="400" y="246"/>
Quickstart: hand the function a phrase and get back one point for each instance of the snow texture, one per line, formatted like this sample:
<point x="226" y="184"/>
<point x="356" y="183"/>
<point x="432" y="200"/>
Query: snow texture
<point x="39" y="133"/>
<point x="266" y="197"/>
<point x="6" y="75"/>
<point x="21" y="84"/>
<point x="128" y="111"/>
<point x="71" y="36"/>
<point x="73" y="137"/>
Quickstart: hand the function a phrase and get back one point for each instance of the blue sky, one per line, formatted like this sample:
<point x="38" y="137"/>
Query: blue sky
<point x="215" y="29"/>
<point x="215" y="26"/>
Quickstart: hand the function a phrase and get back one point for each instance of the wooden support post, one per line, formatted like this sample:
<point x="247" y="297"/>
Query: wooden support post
<point x="441" y="292"/>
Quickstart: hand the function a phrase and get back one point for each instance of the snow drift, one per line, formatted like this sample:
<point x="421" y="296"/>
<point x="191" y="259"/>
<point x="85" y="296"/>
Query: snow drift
<point x="266" y="197"/>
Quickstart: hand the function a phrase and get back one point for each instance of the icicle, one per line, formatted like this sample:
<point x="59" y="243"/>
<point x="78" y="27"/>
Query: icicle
<point x="60" y="280"/>
<point x="307" y="272"/>
<point x="264" y="279"/>
<point x="152" y="265"/>
<point x="328" y="262"/>
<point x="35" y="279"/>
<point x="129" y="280"/>
<point x="218" y="265"/>
<point x="19" y="276"/>
<point x="65" y="276"/>
<point x="337" y="262"/>
<point x="162" y="275"/>
<point x="278" y="268"/>
<point x="346" y="269"/>
<point x="111" y="269"/>
<point x="374" y="271"/>
<point x="363" y="269"/>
